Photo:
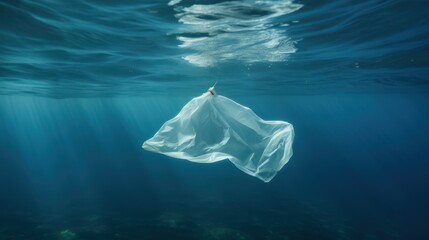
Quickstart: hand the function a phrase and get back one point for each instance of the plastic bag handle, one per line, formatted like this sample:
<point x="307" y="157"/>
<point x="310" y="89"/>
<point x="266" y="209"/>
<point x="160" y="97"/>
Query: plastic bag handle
<point x="212" y="89"/>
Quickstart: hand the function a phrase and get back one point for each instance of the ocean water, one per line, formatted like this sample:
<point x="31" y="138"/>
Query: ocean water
<point x="84" y="83"/>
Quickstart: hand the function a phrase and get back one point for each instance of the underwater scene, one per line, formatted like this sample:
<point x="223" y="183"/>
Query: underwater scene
<point x="214" y="119"/>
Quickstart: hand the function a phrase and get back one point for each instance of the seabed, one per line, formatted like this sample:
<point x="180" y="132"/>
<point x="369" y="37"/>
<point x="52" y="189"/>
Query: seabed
<point x="206" y="220"/>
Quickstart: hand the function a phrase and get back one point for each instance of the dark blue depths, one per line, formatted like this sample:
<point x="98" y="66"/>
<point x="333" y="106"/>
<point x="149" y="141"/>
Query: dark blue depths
<point x="74" y="169"/>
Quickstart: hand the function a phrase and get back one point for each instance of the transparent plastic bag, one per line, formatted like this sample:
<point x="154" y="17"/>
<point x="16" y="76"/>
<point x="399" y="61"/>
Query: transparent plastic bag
<point x="212" y="128"/>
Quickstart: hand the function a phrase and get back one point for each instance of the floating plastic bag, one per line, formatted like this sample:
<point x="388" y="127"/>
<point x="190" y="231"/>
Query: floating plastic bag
<point x="212" y="128"/>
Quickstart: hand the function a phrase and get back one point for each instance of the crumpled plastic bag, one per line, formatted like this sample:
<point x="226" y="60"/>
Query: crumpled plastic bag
<point x="212" y="128"/>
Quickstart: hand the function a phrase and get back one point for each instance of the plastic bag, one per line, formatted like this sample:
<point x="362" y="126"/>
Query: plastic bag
<point x="212" y="128"/>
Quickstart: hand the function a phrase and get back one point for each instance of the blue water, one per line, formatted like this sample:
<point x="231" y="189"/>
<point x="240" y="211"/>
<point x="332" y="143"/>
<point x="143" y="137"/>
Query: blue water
<point x="84" y="83"/>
